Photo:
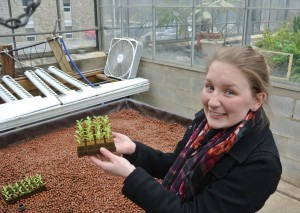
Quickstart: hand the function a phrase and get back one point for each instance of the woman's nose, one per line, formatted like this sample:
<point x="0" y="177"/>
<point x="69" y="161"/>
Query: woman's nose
<point x="214" y="101"/>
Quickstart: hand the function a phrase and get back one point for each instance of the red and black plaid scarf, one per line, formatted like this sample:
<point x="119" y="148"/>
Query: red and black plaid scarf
<point x="197" y="153"/>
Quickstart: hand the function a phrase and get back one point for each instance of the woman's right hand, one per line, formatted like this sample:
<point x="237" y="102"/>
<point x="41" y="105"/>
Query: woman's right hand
<point x="124" y="145"/>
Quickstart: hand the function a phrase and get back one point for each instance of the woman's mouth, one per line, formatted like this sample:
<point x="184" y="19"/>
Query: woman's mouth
<point x="216" y="114"/>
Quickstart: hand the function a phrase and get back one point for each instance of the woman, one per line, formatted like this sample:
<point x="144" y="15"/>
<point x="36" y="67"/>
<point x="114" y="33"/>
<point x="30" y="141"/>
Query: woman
<point x="227" y="160"/>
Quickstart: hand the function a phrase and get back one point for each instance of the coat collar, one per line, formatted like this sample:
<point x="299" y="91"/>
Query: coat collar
<point x="241" y="150"/>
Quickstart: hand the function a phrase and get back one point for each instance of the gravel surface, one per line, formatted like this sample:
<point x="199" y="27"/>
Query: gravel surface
<point x="75" y="184"/>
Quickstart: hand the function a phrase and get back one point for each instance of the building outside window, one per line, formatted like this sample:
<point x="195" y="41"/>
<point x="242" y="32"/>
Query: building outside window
<point x="67" y="18"/>
<point x="30" y="37"/>
<point x="69" y="35"/>
<point x="67" y="6"/>
<point x="25" y="3"/>
<point x="29" y="28"/>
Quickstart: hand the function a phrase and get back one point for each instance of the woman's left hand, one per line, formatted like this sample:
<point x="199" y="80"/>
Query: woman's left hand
<point x="112" y="163"/>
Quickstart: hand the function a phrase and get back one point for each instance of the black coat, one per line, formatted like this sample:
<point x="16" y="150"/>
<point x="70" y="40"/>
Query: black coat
<point x="241" y="181"/>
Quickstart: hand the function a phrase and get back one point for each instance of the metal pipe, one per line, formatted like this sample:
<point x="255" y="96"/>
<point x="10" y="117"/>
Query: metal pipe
<point x="12" y="30"/>
<point x="58" y="16"/>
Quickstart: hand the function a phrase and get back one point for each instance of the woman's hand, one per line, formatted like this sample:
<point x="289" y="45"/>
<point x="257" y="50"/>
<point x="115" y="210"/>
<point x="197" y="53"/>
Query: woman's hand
<point x="124" y="145"/>
<point x="112" y="163"/>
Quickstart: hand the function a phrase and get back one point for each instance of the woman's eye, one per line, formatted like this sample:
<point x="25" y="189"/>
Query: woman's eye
<point x="229" y="93"/>
<point x="209" y="87"/>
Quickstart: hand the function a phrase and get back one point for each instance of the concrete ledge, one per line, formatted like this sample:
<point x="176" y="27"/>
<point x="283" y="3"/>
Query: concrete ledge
<point x="289" y="190"/>
<point x="285" y="200"/>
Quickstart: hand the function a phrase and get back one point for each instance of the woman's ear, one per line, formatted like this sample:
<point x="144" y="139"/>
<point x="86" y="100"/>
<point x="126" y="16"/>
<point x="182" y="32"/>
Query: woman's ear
<point x="258" y="101"/>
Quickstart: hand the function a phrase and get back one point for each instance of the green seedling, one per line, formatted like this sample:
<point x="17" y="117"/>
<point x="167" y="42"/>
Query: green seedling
<point x="6" y="192"/>
<point x="97" y="127"/>
<point x="12" y="192"/>
<point x="91" y="132"/>
<point x="38" y="180"/>
<point x="88" y="124"/>
<point x="79" y="134"/>
<point x="89" y="129"/>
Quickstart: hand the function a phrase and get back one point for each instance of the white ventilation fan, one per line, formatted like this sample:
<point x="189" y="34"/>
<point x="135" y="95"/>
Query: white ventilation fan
<point x="123" y="58"/>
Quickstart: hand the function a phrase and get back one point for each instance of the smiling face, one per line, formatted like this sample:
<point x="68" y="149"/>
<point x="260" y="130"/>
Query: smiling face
<point x="226" y="96"/>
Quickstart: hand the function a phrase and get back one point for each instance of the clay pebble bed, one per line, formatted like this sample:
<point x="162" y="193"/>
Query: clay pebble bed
<point x="75" y="184"/>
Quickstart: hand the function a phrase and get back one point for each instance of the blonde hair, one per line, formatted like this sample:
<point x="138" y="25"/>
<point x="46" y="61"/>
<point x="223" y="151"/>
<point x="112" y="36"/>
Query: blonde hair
<point x="252" y="63"/>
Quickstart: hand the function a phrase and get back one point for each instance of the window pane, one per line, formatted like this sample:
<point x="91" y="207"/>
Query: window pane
<point x="169" y="3"/>
<point x="66" y="3"/>
<point x="111" y="18"/>
<point x="30" y="38"/>
<point x="294" y="4"/>
<point x="4" y="30"/>
<point x="111" y="3"/>
<point x="29" y="30"/>
<point x="69" y="35"/>
<point x="276" y="32"/>
<point x="68" y="27"/>
<point x="40" y="21"/>
<point x="6" y="40"/>
<point x="25" y="2"/>
<point x="138" y="2"/>
<point x="137" y="20"/>
<point x="43" y="22"/>
<point x="173" y="34"/>
<point x="126" y="3"/>
<point x="83" y="14"/>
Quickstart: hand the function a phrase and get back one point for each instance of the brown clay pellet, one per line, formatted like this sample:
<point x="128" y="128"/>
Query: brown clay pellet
<point x="75" y="184"/>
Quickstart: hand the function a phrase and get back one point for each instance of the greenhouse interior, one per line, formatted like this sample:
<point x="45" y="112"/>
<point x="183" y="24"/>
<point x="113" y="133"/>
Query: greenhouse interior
<point x="78" y="72"/>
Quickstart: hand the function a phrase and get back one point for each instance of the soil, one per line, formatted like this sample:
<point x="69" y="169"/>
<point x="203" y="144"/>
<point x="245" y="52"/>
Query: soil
<point x="75" y="184"/>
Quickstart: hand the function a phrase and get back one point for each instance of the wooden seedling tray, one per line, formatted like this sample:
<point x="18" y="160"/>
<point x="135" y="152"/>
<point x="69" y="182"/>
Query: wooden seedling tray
<point x="93" y="149"/>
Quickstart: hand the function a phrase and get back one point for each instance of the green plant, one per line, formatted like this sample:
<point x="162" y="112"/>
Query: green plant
<point x="95" y="129"/>
<point x="295" y="76"/>
<point x="98" y="127"/>
<point x="6" y="193"/>
<point x="296" y="24"/>
<point x="38" y="180"/>
<point x="105" y="120"/>
<point x="89" y="129"/>
<point x="25" y="185"/>
<point x="285" y="39"/>
<point x="107" y="133"/>
<point x="92" y="129"/>
<point x="12" y="192"/>
<point x="79" y="134"/>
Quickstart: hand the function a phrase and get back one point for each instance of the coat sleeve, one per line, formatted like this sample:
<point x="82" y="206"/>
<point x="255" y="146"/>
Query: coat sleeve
<point x="155" y="162"/>
<point x="244" y="188"/>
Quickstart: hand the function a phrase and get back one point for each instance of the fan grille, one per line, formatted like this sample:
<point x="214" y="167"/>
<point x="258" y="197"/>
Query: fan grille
<point x="120" y="58"/>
